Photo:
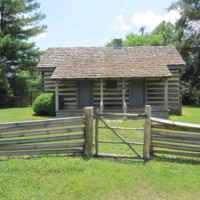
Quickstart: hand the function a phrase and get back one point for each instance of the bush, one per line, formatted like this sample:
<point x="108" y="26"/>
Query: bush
<point x="45" y="104"/>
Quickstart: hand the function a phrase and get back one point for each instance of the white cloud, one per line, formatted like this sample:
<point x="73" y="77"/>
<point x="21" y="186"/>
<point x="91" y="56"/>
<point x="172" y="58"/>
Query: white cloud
<point x="41" y="35"/>
<point x="122" y="26"/>
<point x="172" y="16"/>
<point x="152" y="20"/>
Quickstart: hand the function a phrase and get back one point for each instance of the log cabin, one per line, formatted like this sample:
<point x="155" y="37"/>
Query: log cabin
<point x="114" y="79"/>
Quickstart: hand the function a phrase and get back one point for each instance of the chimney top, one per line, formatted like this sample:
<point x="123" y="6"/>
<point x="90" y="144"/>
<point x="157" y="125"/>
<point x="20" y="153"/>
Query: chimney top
<point x="117" y="44"/>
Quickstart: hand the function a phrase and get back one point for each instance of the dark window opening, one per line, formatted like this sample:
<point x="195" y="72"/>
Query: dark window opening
<point x="111" y="84"/>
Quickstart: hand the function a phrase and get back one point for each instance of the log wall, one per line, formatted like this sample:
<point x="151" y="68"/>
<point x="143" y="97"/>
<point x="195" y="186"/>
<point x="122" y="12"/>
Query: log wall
<point x="66" y="89"/>
<point x="111" y="97"/>
<point x="155" y="89"/>
<point x="175" y="95"/>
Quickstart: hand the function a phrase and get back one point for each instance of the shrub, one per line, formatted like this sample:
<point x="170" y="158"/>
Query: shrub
<point x="45" y="104"/>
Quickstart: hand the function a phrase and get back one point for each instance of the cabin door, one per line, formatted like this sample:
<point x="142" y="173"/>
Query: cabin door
<point x="137" y="93"/>
<point x="85" y="97"/>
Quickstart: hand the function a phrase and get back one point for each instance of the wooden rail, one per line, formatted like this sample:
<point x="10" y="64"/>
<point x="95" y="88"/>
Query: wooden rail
<point x="167" y="140"/>
<point x="122" y="114"/>
<point x="23" y="134"/>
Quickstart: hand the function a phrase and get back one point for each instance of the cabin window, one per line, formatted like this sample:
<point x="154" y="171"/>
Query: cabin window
<point x="111" y="84"/>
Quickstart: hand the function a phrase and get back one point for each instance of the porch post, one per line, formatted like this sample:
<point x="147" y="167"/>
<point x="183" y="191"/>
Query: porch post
<point x="56" y="96"/>
<point x="166" y="94"/>
<point x="124" y="101"/>
<point x="101" y="103"/>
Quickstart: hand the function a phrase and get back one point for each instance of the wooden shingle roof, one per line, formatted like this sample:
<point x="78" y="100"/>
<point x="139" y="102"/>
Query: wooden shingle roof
<point x="105" y="62"/>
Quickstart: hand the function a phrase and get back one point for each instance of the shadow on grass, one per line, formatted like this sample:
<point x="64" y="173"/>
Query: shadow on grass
<point x="184" y="160"/>
<point x="192" y="106"/>
<point x="31" y="157"/>
<point x="45" y="116"/>
<point x="156" y="158"/>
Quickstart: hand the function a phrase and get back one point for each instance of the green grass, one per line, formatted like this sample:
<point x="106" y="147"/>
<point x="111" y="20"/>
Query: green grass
<point x="66" y="177"/>
<point x="20" y="114"/>
<point x="190" y="114"/>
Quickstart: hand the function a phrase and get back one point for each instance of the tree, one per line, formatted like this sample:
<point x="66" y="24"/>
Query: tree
<point x="133" y="39"/>
<point x="17" y="25"/>
<point x="167" y="31"/>
<point x="142" y="30"/>
<point x="23" y="83"/>
<point x="188" y="44"/>
<point x="4" y="86"/>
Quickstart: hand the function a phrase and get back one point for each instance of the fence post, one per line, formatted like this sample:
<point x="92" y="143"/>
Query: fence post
<point x="147" y="132"/>
<point x="88" y="111"/>
<point x="97" y="131"/>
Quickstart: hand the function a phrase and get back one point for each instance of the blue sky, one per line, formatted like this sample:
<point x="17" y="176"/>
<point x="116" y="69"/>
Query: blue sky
<point x="78" y="23"/>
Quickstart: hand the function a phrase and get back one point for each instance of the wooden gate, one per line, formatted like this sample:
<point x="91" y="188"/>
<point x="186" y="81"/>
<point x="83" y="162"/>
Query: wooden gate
<point x="145" y="129"/>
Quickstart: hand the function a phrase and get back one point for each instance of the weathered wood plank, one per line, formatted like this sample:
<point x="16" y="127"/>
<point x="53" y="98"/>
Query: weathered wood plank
<point x="177" y="153"/>
<point x="109" y="90"/>
<point x="46" y="139"/>
<point x="45" y="132"/>
<point x="88" y="111"/>
<point x="97" y="132"/>
<point x="101" y="98"/>
<point x="56" y="96"/>
<point x="42" y="146"/>
<point x="122" y="114"/>
<point x="116" y="142"/>
<point x="167" y="124"/>
<point x="179" y="147"/>
<point x="147" y="132"/>
<point x="49" y="73"/>
<point x="175" y="135"/>
<point x="117" y="156"/>
<point x="72" y="123"/>
<point x="122" y="128"/>
<point x="39" y="122"/>
<point x="175" y="140"/>
<point x="21" y="153"/>
<point x="161" y="90"/>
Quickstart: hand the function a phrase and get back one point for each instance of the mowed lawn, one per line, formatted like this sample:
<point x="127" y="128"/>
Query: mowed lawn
<point x="66" y="177"/>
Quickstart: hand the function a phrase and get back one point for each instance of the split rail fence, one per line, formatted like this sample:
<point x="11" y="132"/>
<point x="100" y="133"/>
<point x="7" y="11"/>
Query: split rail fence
<point x="51" y="136"/>
<point x="188" y="135"/>
<point x="12" y="136"/>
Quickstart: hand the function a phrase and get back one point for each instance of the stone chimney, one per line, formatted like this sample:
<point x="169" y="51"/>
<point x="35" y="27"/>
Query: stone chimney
<point x="117" y="44"/>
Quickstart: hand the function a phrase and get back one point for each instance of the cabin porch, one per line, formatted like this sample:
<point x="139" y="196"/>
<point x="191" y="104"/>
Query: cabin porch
<point x="127" y="96"/>
<point x="160" y="112"/>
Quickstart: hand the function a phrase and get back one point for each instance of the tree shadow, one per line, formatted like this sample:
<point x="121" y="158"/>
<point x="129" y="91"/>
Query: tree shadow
<point x="156" y="158"/>
<point x="179" y="160"/>
<point x="43" y="115"/>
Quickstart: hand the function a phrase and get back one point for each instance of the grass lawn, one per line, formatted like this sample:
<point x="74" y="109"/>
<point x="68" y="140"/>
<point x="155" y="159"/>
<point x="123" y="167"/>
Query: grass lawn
<point x="19" y="114"/>
<point x="65" y="177"/>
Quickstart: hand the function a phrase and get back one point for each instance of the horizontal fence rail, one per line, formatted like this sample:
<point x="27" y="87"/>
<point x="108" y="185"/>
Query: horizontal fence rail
<point x="182" y="141"/>
<point x="18" y="137"/>
<point x="41" y="124"/>
<point x="122" y="128"/>
<point x="122" y="114"/>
